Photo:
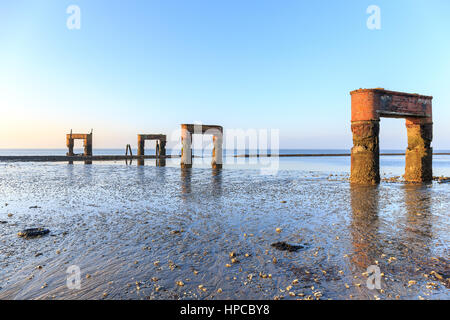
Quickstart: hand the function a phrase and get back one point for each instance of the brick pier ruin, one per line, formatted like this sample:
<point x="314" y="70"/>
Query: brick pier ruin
<point x="161" y="140"/>
<point x="87" y="143"/>
<point x="187" y="130"/>
<point x="368" y="106"/>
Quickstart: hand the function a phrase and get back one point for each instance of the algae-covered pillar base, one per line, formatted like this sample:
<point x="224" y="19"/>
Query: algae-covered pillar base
<point x="365" y="157"/>
<point x="419" y="154"/>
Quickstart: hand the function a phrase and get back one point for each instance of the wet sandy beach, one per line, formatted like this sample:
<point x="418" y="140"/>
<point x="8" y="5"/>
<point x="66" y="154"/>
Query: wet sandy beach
<point x="165" y="233"/>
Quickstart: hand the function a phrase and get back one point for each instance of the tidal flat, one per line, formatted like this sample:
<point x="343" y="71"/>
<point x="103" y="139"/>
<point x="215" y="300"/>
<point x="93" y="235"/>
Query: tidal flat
<point x="146" y="232"/>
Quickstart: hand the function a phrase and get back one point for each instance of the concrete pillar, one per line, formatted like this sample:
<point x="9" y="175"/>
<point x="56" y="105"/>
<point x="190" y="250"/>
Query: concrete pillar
<point x="365" y="157"/>
<point x="365" y="161"/>
<point x="216" y="162"/>
<point x="162" y="148"/>
<point x="161" y="162"/>
<point x="70" y="145"/>
<point x="88" y="145"/>
<point x="186" y="148"/>
<point x="140" y="150"/>
<point x="140" y="146"/>
<point x="419" y="154"/>
<point x="88" y="148"/>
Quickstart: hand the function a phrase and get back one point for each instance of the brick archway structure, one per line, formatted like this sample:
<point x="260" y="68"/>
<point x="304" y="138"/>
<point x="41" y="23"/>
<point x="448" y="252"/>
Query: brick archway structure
<point x="161" y="140"/>
<point x="87" y="142"/>
<point x="187" y="130"/>
<point x="368" y="106"/>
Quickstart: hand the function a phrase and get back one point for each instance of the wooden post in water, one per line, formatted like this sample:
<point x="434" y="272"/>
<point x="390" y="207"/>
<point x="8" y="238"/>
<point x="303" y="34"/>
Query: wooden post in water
<point x="128" y="148"/>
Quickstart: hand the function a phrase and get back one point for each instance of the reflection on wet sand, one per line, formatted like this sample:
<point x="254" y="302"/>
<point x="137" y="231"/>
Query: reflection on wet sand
<point x="418" y="231"/>
<point x="158" y="162"/>
<point x="161" y="162"/>
<point x="365" y="224"/>
<point x="186" y="177"/>
<point x="418" y="226"/>
<point x="214" y="188"/>
<point x="216" y="184"/>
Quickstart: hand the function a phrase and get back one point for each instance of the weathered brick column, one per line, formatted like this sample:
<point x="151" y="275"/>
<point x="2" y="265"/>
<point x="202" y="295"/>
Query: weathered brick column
<point x="140" y="145"/>
<point x="161" y="162"/>
<point x="365" y="157"/>
<point x="216" y="162"/>
<point x="186" y="147"/>
<point x="162" y="148"/>
<point x="88" y="145"/>
<point x="368" y="105"/>
<point x="419" y="154"/>
<point x="70" y="144"/>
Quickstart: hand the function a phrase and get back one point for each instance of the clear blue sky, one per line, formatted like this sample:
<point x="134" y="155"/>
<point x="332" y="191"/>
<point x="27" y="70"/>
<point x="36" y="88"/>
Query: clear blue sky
<point x="147" y="66"/>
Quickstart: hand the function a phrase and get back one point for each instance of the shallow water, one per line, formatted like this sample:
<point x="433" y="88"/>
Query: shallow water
<point x="116" y="221"/>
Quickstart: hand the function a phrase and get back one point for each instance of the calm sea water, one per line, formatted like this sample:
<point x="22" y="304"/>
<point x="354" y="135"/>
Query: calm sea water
<point x="389" y="165"/>
<point x="30" y="152"/>
<point x="136" y="231"/>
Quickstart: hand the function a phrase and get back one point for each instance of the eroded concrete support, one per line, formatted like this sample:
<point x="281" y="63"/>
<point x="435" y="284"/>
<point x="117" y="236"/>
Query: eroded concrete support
<point x="70" y="144"/>
<point x="186" y="148"/>
<point x="88" y="147"/>
<point x="365" y="158"/>
<point x="140" y="150"/>
<point x="216" y="162"/>
<point x="419" y="154"/>
<point x="140" y="145"/>
<point x="162" y="148"/>
<point x="161" y="161"/>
